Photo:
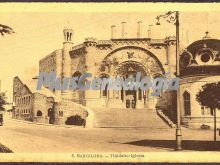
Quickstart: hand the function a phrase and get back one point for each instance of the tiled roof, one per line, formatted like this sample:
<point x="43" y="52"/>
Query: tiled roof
<point x="32" y="84"/>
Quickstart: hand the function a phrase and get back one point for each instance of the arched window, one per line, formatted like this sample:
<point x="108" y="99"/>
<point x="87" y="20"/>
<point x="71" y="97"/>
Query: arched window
<point x="187" y="107"/>
<point x="39" y="113"/>
<point x="104" y="93"/>
<point x="77" y="74"/>
<point x="155" y="76"/>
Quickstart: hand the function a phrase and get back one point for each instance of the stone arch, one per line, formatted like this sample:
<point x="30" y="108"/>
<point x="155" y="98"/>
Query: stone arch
<point x="157" y="75"/>
<point x="138" y="48"/>
<point x="51" y="116"/>
<point x="77" y="74"/>
<point x="104" y="75"/>
<point x="124" y="67"/>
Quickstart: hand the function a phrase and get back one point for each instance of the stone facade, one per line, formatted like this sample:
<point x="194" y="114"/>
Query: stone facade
<point x="122" y="57"/>
<point x="30" y="104"/>
<point x="103" y="58"/>
<point x="199" y="64"/>
<point x="23" y="99"/>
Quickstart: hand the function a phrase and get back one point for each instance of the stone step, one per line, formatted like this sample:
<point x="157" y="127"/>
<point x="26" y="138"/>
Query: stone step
<point x="128" y="118"/>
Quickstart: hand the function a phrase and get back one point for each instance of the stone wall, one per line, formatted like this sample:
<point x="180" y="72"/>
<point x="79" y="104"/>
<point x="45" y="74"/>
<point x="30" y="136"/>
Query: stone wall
<point x="23" y="99"/>
<point x="192" y="85"/>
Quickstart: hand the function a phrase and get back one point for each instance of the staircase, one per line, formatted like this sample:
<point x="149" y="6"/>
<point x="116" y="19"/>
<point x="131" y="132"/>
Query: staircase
<point x="165" y="118"/>
<point x="166" y="108"/>
<point x="138" y="118"/>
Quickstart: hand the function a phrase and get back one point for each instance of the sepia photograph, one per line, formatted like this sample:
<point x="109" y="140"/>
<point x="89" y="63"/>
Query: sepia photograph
<point x="113" y="82"/>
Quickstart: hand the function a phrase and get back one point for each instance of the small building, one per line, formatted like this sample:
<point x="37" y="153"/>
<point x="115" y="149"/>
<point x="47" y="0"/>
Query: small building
<point x="30" y="104"/>
<point x="199" y="64"/>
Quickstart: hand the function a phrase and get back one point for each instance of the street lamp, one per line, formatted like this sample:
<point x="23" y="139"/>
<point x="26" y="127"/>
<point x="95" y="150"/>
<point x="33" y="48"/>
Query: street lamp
<point x="173" y="17"/>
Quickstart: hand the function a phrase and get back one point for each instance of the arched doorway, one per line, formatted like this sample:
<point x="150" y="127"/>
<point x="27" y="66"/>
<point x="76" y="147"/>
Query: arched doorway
<point x="104" y="93"/>
<point x="129" y="60"/>
<point x="51" y="116"/>
<point x="132" y="98"/>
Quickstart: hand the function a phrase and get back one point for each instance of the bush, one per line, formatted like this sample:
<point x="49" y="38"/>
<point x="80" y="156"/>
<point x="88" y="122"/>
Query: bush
<point x="204" y="126"/>
<point x="75" y="120"/>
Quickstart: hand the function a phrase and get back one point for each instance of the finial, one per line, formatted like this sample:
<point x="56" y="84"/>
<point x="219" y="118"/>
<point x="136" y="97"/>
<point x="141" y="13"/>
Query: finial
<point x="206" y="35"/>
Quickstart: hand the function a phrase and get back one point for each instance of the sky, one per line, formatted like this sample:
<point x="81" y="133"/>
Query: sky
<point x="37" y="34"/>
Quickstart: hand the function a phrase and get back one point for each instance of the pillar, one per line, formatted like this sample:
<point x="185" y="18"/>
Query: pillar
<point x="66" y="65"/>
<point x="139" y="29"/>
<point x="123" y="30"/>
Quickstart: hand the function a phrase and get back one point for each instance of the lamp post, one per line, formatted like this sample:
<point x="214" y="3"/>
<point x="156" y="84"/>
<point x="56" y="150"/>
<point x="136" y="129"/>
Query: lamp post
<point x="173" y="17"/>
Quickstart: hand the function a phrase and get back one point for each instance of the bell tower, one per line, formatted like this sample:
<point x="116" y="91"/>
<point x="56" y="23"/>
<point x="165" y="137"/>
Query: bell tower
<point x="68" y="33"/>
<point x="66" y="59"/>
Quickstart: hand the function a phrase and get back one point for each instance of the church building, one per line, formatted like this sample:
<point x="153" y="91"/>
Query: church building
<point x="124" y="57"/>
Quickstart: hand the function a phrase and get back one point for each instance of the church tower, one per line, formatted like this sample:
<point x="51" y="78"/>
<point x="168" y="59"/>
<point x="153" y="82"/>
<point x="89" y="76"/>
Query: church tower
<point x="66" y="64"/>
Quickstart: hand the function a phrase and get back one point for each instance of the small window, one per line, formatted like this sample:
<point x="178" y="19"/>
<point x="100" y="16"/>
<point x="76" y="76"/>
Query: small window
<point x="205" y="57"/>
<point x="39" y="113"/>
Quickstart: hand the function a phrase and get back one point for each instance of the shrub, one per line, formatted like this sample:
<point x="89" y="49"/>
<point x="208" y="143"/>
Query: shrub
<point x="204" y="126"/>
<point x="75" y="120"/>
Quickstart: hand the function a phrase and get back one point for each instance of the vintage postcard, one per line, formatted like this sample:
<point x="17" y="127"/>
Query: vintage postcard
<point x="109" y="82"/>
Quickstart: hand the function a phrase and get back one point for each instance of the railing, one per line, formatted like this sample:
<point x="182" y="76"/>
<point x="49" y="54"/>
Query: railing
<point x="165" y="118"/>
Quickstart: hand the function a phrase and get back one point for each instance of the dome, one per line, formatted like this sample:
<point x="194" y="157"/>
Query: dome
<point x="201" y="57"/>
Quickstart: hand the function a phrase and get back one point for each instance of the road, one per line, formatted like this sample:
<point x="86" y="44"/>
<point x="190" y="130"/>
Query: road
<point x="23" y="137"/>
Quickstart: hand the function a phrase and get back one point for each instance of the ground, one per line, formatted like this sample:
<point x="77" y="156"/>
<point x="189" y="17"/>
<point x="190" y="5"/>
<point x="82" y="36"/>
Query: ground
<point x="22" y="137"/>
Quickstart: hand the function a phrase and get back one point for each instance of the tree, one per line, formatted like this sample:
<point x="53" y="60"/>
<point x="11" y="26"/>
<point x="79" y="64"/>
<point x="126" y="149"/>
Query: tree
<point x="209" y="96"/>
<point x="4" y="29"/>
<point x="3" y="101"/>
